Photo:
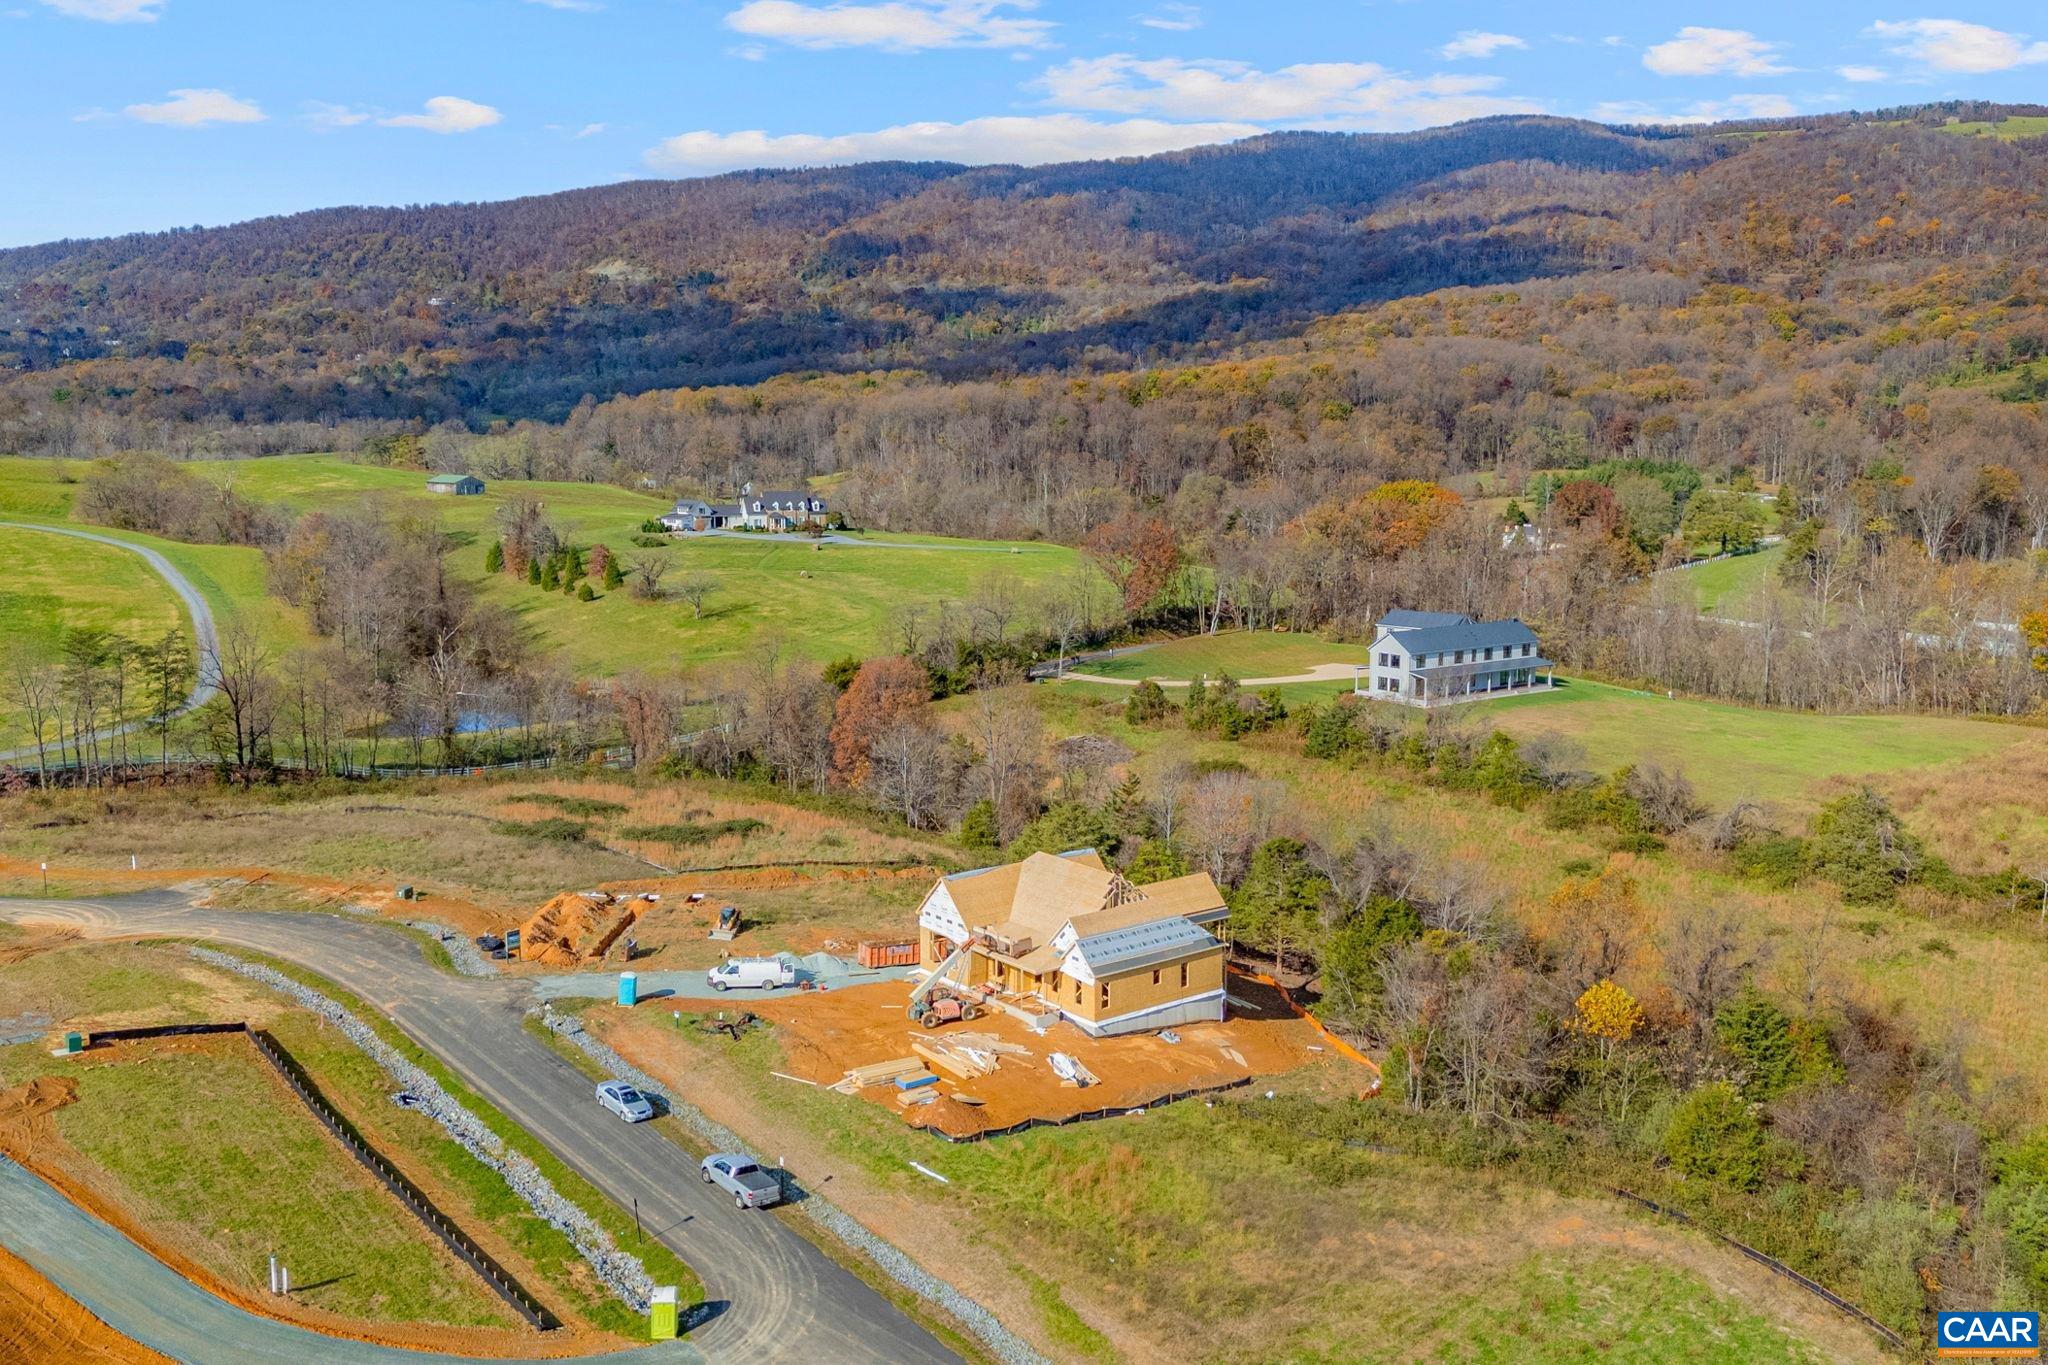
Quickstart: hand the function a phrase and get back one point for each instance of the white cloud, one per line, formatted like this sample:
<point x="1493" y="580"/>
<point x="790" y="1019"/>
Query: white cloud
<point x="894" y="26"/>
<point x="1347" y="94"/>
<point x="1700" y="111"/>
<point x="1032" y="141"/>
<point x="1474" y="43"/>
<point x="1713" y="52"/>
<point x="591" y="129"/>
<point x="329" y="117"/>
<point x="196" y="109"/>
<point x="110" y="11"/>
<point x="1174" y="18"/>
<point x="1863" y="73"/>
<point x="749" y="52"/>
<point x="582" y="6"/>
<point x="447" y="114"/>
<point x="1952" y="45"/>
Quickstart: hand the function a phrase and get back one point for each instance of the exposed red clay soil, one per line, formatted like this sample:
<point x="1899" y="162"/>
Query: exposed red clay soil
<point x="824" y="1036"/>
<point x="39" y="1322"/>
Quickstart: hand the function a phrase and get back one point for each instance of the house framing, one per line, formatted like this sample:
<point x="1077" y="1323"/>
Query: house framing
<point x="1062" y="933"/>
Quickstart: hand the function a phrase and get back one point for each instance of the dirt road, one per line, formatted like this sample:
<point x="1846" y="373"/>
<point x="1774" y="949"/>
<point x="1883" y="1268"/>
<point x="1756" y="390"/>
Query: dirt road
<point x="775" y="1296"/>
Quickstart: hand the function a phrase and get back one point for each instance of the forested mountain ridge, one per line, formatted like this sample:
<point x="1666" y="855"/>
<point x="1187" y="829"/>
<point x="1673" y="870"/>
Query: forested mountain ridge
<point x="517" y="309"/>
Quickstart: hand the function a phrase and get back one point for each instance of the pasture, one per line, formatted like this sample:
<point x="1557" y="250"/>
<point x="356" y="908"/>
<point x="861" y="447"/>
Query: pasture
<point x="811" y="600"/>
<point x="1732" y="751"/>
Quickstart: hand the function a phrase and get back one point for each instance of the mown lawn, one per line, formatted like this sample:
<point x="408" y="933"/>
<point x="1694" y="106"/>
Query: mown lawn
<point x="1241" y="653"/>
<point x="53" y="585"/>
<point x="812" y="601"/>
<point x="1732" y="751"/>
<point x="1720" y="585"/>
<point x="212" y="1154"/>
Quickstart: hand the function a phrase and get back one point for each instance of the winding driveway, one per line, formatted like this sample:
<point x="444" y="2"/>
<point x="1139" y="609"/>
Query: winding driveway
<point x="774" y="1296"/>
<point x="205" y="634"/>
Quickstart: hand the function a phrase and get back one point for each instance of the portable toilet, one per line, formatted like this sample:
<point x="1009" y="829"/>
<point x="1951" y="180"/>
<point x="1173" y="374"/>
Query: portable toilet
<point x="662" y="1315"/>
<point x="629" y="989"/>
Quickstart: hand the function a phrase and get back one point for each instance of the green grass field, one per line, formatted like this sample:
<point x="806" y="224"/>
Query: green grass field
<point x="2005" y="130"/>
<point x="211" y="1153"/>
<point x="815" y="602"/>
<point x="1242" y="654"/>
<point x="1731" y="751"/>
<point x="54" y="584"/>
<point x="1235" y="1237"/>
<point x="1720" y="586"/>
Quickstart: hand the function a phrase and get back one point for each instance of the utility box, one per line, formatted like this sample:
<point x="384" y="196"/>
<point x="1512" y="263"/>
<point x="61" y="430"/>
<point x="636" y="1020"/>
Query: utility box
<point x="405" y="893"/>
<point x="74" y="1041"/>
<point x="629" y="989"/>
<point x="663" y="1319"/>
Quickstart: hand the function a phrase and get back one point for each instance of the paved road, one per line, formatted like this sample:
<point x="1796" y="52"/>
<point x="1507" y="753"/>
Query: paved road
<point x="145" y="1300"/>
<point x="775" y="1295"/>
<point x="205" y="636"/>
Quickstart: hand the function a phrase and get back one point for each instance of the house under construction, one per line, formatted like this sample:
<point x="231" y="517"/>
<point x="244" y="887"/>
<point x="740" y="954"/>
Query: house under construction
<point x="1063" y="933"/>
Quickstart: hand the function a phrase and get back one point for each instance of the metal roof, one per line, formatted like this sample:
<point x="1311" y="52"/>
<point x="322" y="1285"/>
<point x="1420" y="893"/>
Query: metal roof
<point x="1466" y="635"/>
<point x="1402" y="619"/>
<point x="1143" y="945"/>
<point x="1475" y="666"/>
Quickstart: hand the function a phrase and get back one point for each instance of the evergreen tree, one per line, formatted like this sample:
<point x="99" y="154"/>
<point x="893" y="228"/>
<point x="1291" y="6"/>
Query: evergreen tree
<point x="614" y="576"/>
<point x="583" y="592"/>
<point x="1147" y="704"/>
<point x="533" y="574"/>
<point x="979" y="828"/>
<point x="494" y="558"/>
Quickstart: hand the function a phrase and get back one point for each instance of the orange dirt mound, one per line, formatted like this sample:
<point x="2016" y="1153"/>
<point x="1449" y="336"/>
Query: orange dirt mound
<point x="574" y="926"/>
<point x="39" y="1322"/>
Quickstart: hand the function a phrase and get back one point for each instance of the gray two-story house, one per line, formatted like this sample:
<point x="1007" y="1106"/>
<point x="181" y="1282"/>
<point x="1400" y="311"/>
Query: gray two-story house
<point x="1431" y="658"/>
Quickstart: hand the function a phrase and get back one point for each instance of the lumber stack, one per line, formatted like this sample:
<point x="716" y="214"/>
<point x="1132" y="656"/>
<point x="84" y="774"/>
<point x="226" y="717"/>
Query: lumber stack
<point x="878" y="1073"/>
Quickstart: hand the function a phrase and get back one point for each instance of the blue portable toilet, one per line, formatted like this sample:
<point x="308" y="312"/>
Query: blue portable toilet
<point x="629" y="989"/>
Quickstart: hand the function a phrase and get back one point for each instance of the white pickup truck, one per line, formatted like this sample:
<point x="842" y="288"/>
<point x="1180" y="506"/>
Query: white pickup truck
<point x="767" y="973"/>
<point x="749" y="1185"/>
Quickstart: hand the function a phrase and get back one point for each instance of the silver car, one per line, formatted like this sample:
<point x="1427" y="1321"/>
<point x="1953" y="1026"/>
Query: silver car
<point x="623" y="1100"/>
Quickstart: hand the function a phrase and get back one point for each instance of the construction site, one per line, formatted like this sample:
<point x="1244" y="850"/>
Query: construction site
<point x="994" y="1073"/>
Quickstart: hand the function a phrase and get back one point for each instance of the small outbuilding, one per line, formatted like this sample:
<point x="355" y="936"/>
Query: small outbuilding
<point x="456" y="485"/>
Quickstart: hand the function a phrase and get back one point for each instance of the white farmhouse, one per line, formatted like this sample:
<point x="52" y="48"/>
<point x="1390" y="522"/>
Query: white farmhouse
<point x="1433" y="658"/>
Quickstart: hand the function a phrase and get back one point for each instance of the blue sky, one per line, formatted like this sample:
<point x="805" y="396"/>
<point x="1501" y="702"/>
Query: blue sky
<point x="122" y="115"/>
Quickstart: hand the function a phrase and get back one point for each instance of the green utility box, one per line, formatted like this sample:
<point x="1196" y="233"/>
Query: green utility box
<point x="662" y="1317"/>
<point x="74" y="1041"/>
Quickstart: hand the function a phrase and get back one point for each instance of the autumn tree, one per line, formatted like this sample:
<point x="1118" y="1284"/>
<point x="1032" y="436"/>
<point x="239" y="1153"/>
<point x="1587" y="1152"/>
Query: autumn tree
<point x="885" y="693"/>
<point x="1138" y="555"/>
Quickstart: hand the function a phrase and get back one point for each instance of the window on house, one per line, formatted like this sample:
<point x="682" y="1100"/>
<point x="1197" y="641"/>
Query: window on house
<point x="1460" y="657"/>
<point x="1155" y="976"/>
<point x="1489" y="652"/>
<point x="1077" y="990"/>
<point x="1183" y="976"/>
<point x="1102" y="996"/>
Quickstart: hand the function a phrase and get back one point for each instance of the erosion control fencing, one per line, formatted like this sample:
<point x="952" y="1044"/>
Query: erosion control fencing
<point x="1120" y="1111"/>
<point x="130" y="1035"/>
<point x="1776" y="1266"/>
<point x="409" y="1194"/>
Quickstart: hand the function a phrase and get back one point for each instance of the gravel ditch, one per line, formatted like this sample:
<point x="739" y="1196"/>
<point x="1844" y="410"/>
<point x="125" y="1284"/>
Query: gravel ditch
<point x="621" y="1272"/>
<point x="462" y="950"/>
<point x="1003" y="1343"/>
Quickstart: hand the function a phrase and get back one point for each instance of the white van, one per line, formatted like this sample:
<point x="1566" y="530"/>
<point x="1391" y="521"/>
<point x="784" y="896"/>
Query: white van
<point x="767" y="973"/>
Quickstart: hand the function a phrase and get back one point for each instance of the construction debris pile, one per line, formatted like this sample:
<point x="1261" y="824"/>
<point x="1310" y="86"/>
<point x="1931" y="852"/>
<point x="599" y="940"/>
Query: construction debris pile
<point x="580" y="926"/>
<point x="961" y="1056"/>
